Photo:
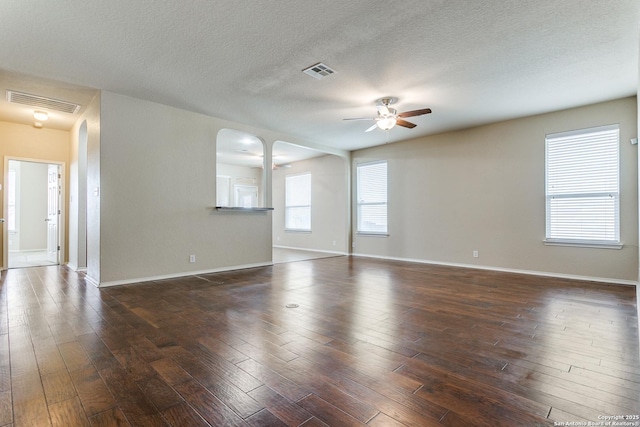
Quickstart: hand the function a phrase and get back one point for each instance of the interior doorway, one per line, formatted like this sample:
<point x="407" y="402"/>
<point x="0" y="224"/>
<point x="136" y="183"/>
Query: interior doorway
<point x="32" y="215"/>
<point x="309" y="191"/>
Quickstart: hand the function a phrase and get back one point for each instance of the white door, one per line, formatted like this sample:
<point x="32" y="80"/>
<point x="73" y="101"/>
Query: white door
<point x="53" y="213"/>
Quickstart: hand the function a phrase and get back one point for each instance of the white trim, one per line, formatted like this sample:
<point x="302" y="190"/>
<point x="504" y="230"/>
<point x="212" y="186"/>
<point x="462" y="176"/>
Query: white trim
<point x="371" y="234"/>
<point x="76" y="268"/>
<point x="177" y="275"/>
<point x="311" y="250"/>
<point x="576" y="132"/>
<point x="62" y="207"/>
<point x="92" y="281"/>
<point x="585" y="244"/>
<point x="509" y="270"/>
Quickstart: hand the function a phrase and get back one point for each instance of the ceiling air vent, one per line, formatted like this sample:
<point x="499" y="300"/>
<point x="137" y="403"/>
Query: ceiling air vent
<point x="319" y="71"/>
<point x="42" y="102"/>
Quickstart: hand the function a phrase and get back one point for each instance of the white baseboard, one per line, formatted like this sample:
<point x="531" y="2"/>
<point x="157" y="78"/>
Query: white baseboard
<point x="508" y="270"/>
<point x="183" y="274"/>
<point x="311" y="250"/>
<point x="92" y="281"/>
<point x="74" y="267"/>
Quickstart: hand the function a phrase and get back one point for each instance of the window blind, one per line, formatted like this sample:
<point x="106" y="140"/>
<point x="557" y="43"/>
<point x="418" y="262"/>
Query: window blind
<point x="582" y="186"/>
<point x="372" y="198"/>
<point x="297" y="214"/>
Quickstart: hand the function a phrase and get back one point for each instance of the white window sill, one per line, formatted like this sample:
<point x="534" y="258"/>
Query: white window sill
<point x="369" y="234"/>
<point x="294" y="230"/>
<point x="584" y="244"/>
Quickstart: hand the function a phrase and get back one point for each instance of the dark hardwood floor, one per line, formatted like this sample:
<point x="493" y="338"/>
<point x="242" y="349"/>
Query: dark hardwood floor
<point x="372" y="342"/>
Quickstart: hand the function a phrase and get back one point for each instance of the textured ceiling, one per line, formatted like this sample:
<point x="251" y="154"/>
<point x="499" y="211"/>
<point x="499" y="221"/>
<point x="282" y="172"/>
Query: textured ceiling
<point x="471" y="62"/>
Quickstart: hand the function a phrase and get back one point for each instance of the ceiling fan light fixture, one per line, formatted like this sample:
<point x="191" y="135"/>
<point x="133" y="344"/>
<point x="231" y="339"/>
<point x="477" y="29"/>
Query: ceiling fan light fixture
<point x="386" y="123"/>
<point x="389" y="117"/>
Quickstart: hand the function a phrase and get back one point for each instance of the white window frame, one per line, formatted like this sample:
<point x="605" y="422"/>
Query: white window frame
<point x="297" y="203"/>
<point x="585" y="192"/>
<point x="362" y="204"/>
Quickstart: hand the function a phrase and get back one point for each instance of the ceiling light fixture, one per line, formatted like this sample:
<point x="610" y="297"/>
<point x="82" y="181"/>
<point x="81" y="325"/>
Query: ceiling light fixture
<point x="387" y="121"/>
<point x="40" y="116"/>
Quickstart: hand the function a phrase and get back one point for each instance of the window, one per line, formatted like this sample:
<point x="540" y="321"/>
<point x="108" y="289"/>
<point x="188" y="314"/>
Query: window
<point x="582" y="194"/>
<point x="297" y="211"/>
<point x="372" y="198"/>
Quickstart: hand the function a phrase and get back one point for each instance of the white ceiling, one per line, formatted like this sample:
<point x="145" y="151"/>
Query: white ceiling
<point x="240" y="148"/>
<point x="471" y="62"/>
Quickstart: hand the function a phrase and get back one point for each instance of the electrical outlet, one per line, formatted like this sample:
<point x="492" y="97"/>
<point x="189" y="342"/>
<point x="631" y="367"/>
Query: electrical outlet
<point x="475" y="254"/>
<point x="334" y="243"/>
<point x="192" y="258"/>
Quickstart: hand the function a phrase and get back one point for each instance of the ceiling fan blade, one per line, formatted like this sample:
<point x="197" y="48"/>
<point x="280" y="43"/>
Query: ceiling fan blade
<point x="360" y="118"/>
<point x="383" y="110"/>
<point x="413" y="113"/>
<point x="372" y="128"/>
<point x="405" y="124"/>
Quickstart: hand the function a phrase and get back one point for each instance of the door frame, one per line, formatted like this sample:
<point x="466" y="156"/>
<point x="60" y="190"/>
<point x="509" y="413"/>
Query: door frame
<point x="62" y="217"/>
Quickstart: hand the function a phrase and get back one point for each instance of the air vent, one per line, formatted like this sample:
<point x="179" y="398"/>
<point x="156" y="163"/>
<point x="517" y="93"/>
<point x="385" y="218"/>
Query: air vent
<point x="42" y="102"/>
<point x="319" y="71"/>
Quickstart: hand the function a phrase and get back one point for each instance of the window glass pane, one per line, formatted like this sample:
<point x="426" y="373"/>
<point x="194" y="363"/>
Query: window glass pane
<point x="297" y="215"/>
<point x="589" y="218"/>
<point x="298" y="190"/>
<point x="298" y="218"/>
<point x="372" y="197"/>
<point x="582" y="172"/>
<point x="372" y="218"/>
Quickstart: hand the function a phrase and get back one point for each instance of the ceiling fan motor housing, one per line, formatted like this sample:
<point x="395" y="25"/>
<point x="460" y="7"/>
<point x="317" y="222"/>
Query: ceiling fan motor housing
<point x="387" y="100"/>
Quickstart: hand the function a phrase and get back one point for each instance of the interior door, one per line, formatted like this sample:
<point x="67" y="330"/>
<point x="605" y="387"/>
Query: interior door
<point x="53" y="213"/>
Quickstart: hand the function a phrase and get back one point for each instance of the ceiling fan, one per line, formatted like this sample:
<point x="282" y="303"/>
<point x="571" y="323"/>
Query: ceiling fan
<point x="388" y="117"/>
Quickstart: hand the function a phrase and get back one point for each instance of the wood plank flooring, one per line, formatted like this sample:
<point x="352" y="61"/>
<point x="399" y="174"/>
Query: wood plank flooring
<point x="371" y="342"/>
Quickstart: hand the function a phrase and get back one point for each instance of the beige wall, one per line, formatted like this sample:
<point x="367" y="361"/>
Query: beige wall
<point x="48" y="145"/>
<point x="157" y="189"/>
<point x="329" y="205"/>
<point x="484" y="189"/>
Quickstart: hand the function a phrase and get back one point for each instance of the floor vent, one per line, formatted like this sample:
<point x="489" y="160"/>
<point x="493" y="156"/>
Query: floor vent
<point x="42" y="102"/>
<point x="319" y="71"/>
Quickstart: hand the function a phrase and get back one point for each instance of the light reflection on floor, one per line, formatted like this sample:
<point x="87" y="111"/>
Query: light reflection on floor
<point x="22" y="259"/>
